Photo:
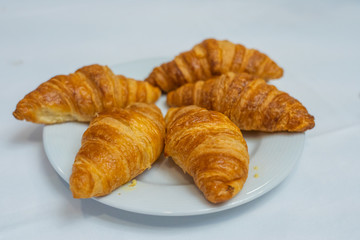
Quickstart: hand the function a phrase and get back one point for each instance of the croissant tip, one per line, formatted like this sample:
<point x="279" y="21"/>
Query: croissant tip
<point x="218" y="192"/>
<point x="281" y="73"/>
<point x="304" y="122"/>
<point x="310" y="126"/>
<point x="23" y="114"/>
<point x="81" y="184"/>
<point x="17" y="114"/>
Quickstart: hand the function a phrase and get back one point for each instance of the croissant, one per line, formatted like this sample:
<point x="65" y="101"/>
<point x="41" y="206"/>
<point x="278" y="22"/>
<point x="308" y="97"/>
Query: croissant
<point x="118" y="145"/>
<point x="81" y="95"/>
<point x="249" y="102"/>
<point x="211" y="58"/>
<point x="210" y="148"/>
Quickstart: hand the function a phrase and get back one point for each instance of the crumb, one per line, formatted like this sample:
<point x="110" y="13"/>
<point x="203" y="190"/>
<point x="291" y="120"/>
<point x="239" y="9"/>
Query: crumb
<point x="119" y="193"/>
<point x="256" y="175"/>
<point x="133" y="183"/>
<point x="255" y="167"/>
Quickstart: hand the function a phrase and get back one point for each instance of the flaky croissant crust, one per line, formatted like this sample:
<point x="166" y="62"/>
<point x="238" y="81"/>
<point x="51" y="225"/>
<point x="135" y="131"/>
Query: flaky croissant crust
<point x="118" y="145"/>
<point x="209" y="147"/>
<point x="81" y="95"/>
<point x="249" y="102"/>
<point x="211" y="58"/>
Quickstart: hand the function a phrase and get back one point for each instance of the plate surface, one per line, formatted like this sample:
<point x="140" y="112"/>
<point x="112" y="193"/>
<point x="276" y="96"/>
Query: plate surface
<point x="164" y="189"/>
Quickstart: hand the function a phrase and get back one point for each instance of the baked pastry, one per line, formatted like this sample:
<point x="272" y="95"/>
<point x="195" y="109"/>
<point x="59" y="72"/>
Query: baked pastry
<point x="118" y="145"/>
<point x="210" y="148"/>
<point x="249" y="102"/>
<point x="212" y="58"/>
<point x="81" y="95"/>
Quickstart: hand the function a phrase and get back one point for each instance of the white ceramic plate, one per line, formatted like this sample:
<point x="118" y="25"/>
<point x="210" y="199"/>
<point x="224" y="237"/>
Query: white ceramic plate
<point x="164" y="189"/>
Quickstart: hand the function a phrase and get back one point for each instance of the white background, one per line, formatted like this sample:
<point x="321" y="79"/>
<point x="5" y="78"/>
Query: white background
<point x="317" y="44"/>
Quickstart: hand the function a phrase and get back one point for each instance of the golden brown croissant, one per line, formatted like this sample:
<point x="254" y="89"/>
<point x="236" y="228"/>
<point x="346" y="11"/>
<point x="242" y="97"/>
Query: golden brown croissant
<point x="212" y="58"/>
<point x="118" y="145"/>
<point x="209" y="147"/>
<point x="249" y="102"/>
<point x="81" y="95"/>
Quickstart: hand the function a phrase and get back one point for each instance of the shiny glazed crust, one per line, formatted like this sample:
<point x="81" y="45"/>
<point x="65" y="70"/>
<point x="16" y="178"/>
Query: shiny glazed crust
<point x="211" y="58"/>
<point x="249" y="102"/>
<point x="209" y="147"/>
<point x="81" y="95"/>
<point x="118" y="145"/>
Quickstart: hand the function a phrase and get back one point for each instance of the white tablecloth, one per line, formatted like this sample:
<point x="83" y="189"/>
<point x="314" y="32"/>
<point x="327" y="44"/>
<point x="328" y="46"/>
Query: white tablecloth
<point x="316" y="42"/>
